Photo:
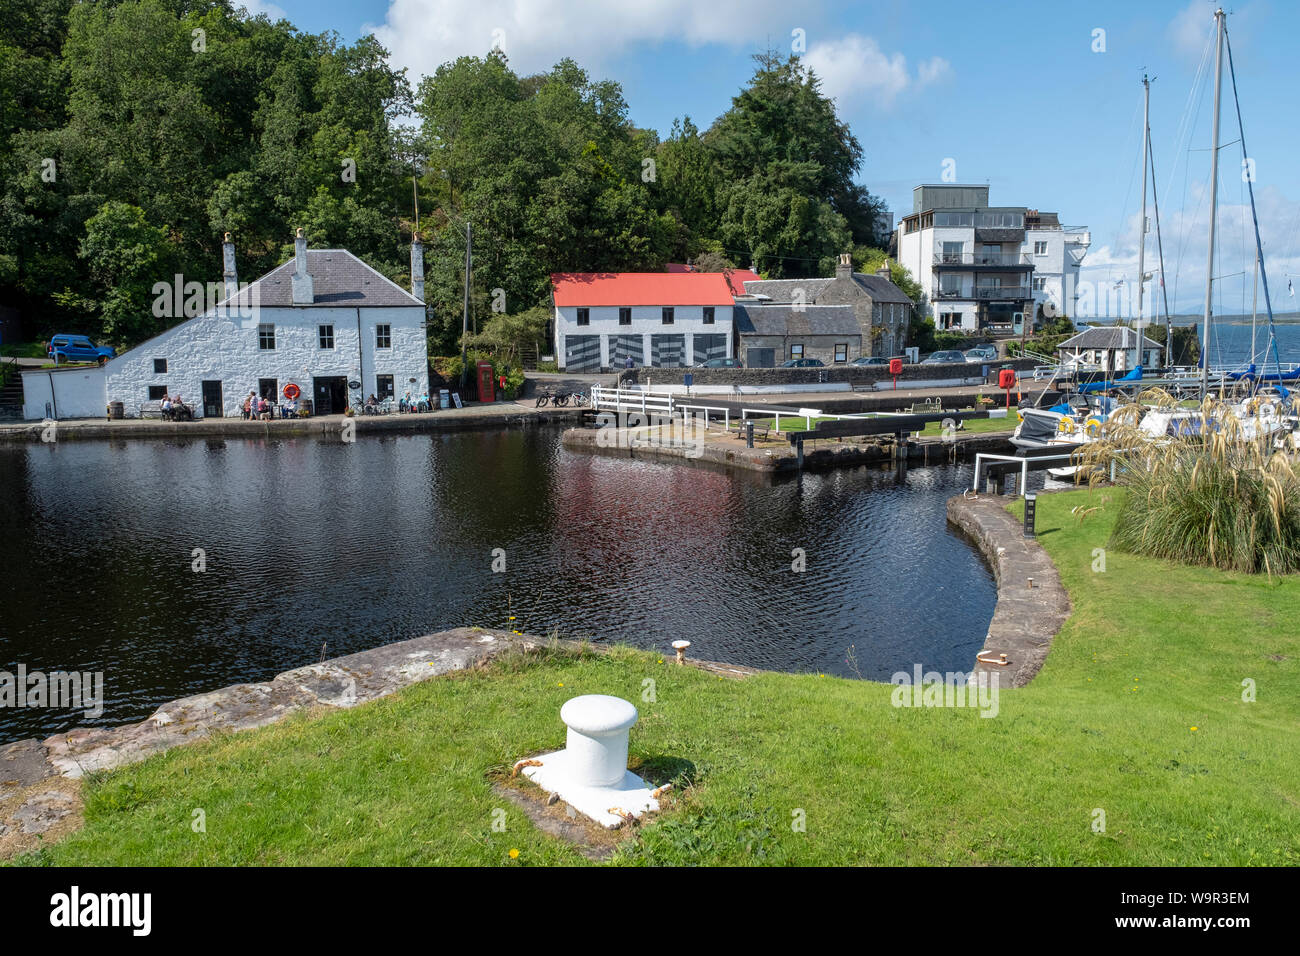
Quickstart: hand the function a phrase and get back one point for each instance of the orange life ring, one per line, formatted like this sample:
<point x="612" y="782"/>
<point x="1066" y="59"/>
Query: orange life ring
<point x="292" y="391"/>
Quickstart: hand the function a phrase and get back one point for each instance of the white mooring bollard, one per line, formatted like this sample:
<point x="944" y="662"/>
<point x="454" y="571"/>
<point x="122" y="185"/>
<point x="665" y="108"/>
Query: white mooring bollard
<point x="596" y="746"/>
<point x="590" y="773"/>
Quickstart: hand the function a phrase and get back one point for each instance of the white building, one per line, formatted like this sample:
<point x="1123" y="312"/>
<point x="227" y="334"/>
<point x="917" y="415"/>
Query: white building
<point x="660" y="319"/>
<point x="322" y="321"/>
<point x="982" y="265"/>
<point x="1110" y="348"/>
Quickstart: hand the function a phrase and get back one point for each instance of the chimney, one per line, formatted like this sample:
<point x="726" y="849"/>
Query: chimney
<point x="844" y="269"/>
<point x="229" y="276"/>
<point x="302" y="290"/>
<point x="417" y="267"/>
<point x="883" y="271"/>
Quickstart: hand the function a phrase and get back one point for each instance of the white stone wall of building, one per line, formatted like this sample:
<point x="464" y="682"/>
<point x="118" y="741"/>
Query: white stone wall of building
<point x="226" y="348"/>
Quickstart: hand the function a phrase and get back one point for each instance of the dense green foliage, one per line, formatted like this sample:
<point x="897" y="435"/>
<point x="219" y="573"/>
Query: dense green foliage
<point x="137" y="132"/>
<point x="1138" y="710"/>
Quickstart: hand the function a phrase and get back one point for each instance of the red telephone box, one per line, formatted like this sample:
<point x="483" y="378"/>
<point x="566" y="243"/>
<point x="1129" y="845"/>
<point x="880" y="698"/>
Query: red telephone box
<point x="486" y="386"/>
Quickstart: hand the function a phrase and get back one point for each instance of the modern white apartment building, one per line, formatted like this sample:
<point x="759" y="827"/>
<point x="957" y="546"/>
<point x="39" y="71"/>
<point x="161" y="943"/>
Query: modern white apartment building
<point x="981" y="266"/>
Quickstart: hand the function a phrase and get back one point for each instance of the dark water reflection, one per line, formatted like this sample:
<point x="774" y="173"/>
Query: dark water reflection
<point x="310" y="542"/>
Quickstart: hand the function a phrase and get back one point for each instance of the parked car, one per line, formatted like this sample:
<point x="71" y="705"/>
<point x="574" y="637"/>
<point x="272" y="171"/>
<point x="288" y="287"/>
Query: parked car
<point x="939" y="358"/>
<point x="77" y="348"/>
<point x="982" y="353"/>
<point x="721" y="363"/>
<point x="870" y="360"/>
<point x="803" y="363"/>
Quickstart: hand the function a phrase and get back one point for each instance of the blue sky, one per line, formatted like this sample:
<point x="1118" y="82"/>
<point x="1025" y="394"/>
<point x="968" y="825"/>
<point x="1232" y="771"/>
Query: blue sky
<point x="1019" y="95"/>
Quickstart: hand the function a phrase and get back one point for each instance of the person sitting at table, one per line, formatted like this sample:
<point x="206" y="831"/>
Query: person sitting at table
<point x="372" y="404"/>
<point x="290" y="408"/>
<point x="167" y="407"/>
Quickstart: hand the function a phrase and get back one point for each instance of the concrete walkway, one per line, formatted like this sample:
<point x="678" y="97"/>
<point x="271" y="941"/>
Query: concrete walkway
<point x="473" y="415"/>
<point x="1026" y="619"/>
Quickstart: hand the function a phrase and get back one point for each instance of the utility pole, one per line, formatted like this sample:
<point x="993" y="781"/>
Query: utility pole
<point x="1142" y="231"/>
<point x="1214" y="197"/>
<point x="464" y="331"/>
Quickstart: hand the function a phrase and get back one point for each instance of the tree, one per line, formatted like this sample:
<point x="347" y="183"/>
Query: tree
<point x="126" y="256"/>
<point x="785" y="164"/>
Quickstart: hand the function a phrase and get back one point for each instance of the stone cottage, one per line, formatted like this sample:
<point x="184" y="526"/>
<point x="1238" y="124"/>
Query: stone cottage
<point x="883" y="310"/>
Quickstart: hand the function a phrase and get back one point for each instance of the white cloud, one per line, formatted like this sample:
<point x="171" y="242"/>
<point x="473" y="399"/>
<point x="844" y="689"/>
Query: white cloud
<point x="1190" y="29"/>
<point x="932" y="71"/>
<point x="255" y="7"/>
<point x="854" y="69"/>
<point x="535" y="34"/>
<point x="1185" y="232"/>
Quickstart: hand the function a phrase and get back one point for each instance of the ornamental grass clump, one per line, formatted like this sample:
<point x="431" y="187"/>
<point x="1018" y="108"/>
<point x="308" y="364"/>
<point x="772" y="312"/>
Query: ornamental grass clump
<point x="1219" y="497"/>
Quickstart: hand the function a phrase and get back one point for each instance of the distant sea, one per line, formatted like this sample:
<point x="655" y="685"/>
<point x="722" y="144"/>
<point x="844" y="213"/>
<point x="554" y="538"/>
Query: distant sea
<point x="1230" y="337"/>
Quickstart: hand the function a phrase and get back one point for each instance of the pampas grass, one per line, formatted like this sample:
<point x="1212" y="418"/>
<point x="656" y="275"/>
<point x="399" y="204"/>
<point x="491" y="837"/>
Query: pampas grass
<point x="1218" y="498"/>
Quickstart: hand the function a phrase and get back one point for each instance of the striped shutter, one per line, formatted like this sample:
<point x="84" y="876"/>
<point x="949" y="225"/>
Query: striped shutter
<point x="582" y="353"/>
<point x="667" y="351"/>
<point x="709" y="347"/>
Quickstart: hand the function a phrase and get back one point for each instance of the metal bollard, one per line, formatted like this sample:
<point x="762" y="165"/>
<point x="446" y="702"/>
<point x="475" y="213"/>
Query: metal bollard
<point x="1031" y="500"/>
<point x="749" y="433"/>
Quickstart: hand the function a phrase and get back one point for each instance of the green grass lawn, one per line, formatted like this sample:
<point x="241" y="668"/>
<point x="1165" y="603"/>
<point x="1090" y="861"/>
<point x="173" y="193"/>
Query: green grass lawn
<point x="933" y="430"/>
<point x="973" y="426"/>
<point x="1138" y="712"/>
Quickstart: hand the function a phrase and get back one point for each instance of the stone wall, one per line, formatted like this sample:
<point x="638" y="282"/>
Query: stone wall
<point x="916" y="375"/>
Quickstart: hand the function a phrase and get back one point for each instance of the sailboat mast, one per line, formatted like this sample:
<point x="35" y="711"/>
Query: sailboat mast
<point x="1214" y="197"/>
<point x="1142" y="229"/>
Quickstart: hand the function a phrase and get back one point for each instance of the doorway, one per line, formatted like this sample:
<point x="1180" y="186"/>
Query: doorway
<point x="212" y="406"/>
<point x="331" y="394"/>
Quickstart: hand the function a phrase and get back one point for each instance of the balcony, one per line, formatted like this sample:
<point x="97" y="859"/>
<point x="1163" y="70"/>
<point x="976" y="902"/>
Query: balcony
<point x="972" y="260"/>
<point x="1003" y="293"/>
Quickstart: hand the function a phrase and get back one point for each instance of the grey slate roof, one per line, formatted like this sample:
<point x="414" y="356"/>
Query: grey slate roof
<point x="881" y="289"/>
<point x="1106" y="337"/>
<point x="784" y="320"/>
<point x="338" y="279"/>
<point x="782" y="290"/>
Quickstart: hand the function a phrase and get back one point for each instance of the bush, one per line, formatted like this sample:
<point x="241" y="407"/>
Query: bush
<point x="1218" y="499"/>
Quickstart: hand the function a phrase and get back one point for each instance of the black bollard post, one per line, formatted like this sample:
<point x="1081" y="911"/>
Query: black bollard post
<point x="749" y="433"/>
<point x="1031" y="500"/>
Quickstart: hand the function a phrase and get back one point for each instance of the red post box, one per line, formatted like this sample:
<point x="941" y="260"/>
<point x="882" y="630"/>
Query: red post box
<point x="486" y="386"/>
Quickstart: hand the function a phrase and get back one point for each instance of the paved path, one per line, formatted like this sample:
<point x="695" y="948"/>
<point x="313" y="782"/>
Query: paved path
<point x="473" y="415"/>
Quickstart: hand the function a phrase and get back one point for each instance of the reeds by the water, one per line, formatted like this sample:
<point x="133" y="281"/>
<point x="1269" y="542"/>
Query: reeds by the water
<point x="1218" y="498"/>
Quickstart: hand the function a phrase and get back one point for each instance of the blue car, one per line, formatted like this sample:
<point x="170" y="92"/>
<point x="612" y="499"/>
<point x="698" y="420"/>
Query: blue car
<point x="76" y="348"/>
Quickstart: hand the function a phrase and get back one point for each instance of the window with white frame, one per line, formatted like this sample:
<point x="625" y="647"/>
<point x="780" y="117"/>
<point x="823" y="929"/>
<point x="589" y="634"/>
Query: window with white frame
<point x="841" y="353"/>
<point x="1040" y="284"/>
<point x="796" y="351"/>
<point x="325" y="336"/>
<point x="1040" y="248"/>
